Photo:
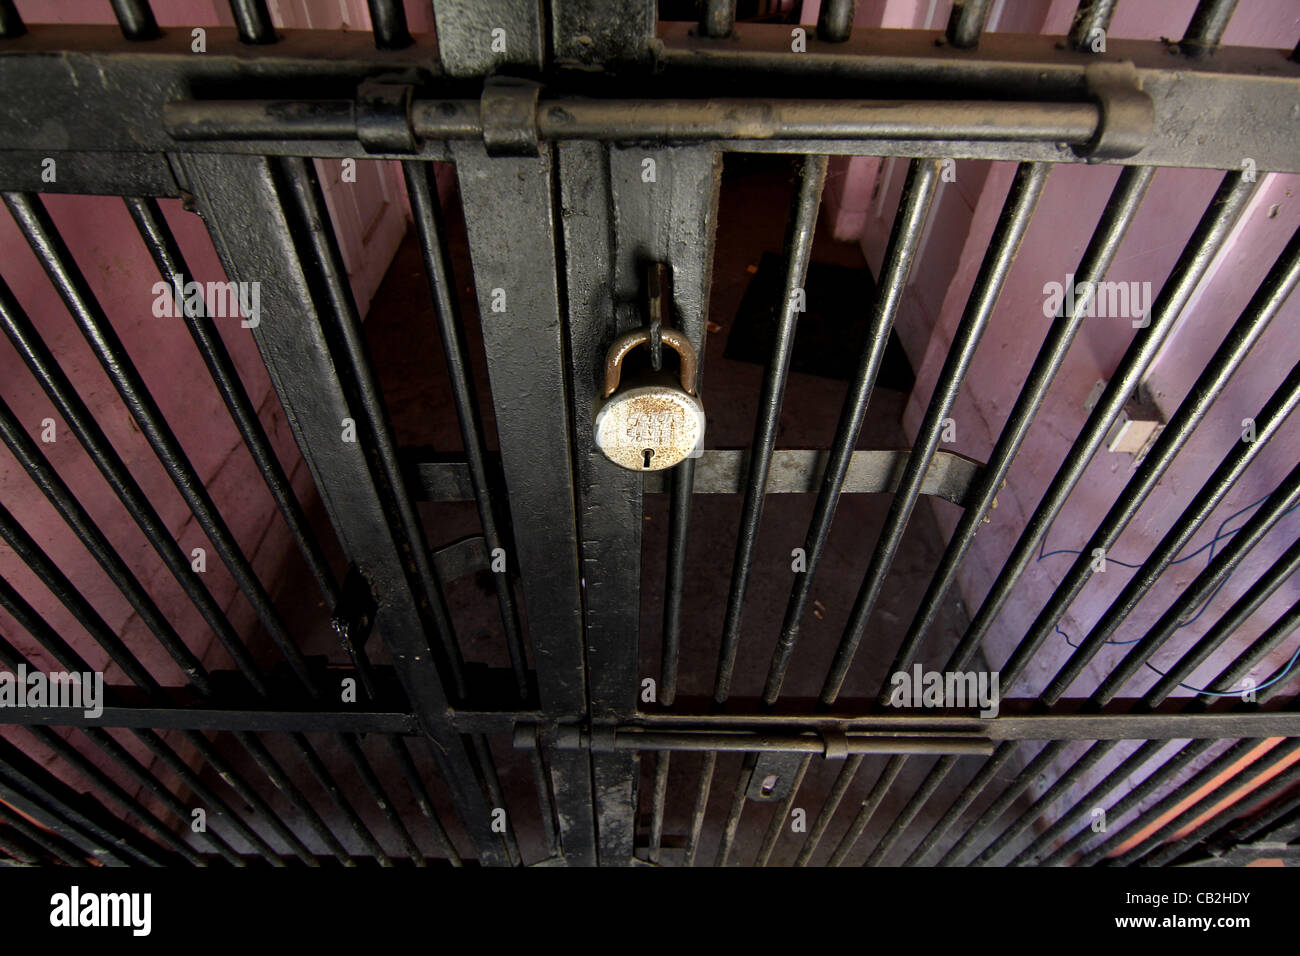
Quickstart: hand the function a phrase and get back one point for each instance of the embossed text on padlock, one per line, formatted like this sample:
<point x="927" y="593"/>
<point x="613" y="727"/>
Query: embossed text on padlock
<point x="653" y="420"/>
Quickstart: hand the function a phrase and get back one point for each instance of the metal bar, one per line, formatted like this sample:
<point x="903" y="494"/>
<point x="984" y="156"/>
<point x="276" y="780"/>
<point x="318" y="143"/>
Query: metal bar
<point x="427" y="212"/>
<point x="1208" y="237"/>
<point x="1091" y="21"/>
<point x="39" y="230"/>
<point x="738" y="801"/>
<point x="412" y="775"/>
<point x="508" y="206"/>
<point x="348" y="488"/>
<point x="707" y="767"/>
<point x="1206" y="28"/>
<point x="1097" y="258"/>
<point x="843" y="781"/>
<point x="909" y="223"/>
<point x="679" y="519"/>
<point x="1119" y="777"/>
<point x="717" y="18"/>
<point x="1283" y="500"/>
<point x="43" y="839"/>
<point x="35" y="223"/>
<point x="868" y="809"/>
<point x="38" y="468"/>
<point x="1172" y="849"/>
<point x="781" y="813"/>
<point x="1041" y="762"/>
<point x="798" y="250"/>
<point x="1021" y="200"/>
<point x="1078" y="770"/>
<point x="835" y="20"/>
<point x="77" y="819"/>
<point x="1212" y="380"/>
<point x="253" y="20"/>
<point x="1283" y="401"/>
<point x="1231" y="619"/>
<point x="1275" y="634"/>
<point x="58" y="387"/>
<point x="942" y="767"/>
<point x="969" y="794"/>
<point x="136" y="20"/>
<point x="170" y="261"/>
<point x="388" y="21"/>
<point x="966" y="23"/>
<point x="659" y="797"/>
<point x="713" y="122"/>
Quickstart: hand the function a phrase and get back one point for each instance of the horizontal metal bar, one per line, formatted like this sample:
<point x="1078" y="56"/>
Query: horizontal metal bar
<point x="721" y="471"/>
<point x="748" y="741"/>
<point x="1017" y="721"/>
<point x="92" y="72"/>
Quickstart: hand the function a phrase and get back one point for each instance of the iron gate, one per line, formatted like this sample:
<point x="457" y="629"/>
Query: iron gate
<point x="551" y="115"/>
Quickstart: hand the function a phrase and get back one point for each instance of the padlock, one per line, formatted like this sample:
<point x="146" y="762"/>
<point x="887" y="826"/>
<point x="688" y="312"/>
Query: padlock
<point x="655" y="420"/>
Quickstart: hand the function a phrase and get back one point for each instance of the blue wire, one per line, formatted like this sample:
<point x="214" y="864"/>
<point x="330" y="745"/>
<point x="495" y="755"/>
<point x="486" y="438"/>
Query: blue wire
<point x="1211" y="544"/>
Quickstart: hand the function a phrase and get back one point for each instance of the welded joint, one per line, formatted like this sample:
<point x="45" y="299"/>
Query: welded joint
<point x="1127" y="111"/>
<point x="508" y="112"/>
<point x="383" y="116"/>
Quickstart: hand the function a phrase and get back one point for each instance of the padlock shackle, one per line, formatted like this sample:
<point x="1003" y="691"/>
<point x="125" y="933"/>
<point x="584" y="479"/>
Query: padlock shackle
<point x="626" y="342"/>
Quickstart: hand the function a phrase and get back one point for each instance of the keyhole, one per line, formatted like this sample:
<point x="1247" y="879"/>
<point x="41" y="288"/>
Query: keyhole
<point x="769" y="785"/>
<point x="647" y="454"/>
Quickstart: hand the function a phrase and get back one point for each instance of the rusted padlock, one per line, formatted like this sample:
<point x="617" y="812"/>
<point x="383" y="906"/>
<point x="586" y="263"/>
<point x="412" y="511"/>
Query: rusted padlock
<point x="654" y="421"/>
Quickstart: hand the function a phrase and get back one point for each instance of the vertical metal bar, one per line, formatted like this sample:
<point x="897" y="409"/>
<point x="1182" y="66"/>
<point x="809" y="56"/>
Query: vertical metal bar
<point x="167" y="257"/>
<point x="835" y="20"/>
<point x="717" y="18"/>
<point x="58" y="387"/>
<point x="781" y="813"/>
<point x="1231" y="619"/>
<point x="136" y="19"/>
<point x="34" y="791"/>
<point x="798" y="249"/>
<point x="969" y="794"/>
<point x="905" y="235"/>
<point x="679" y="520"/>
<point x="707" y="766"/>
<point x="403" y="756"/>
<point x="1097" y="258"/>
<point x="509" y="213"/>
<point x="545" y="802"/>
<point x="1090" y="18"/>
<point x="1203" y="586"/>
<point x="388" y="21"/>
<point x="43" y="839"/>
<point x="1203" y="777"/>
<point x="1213" y="229"/>
<point x="619" y="231"/>
<point x="868" y="808"/>
<point x="843" y="781"/>
<point x="1214" y="377"/>
<point x="1279" y="406"/>
<point x="1206" y="28"/>
<point x="1018" y="209"/>
<point x="1018" y="784"/>
<point x="942" y="767"/>
<point x="427" y="212"/>
<point x="966" y="23"/>
<point x="240" y="195"/>
<point x="732" y="823"/>
<point x="253" y="21"/>
<point x="659" y="797"/>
